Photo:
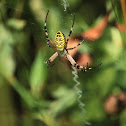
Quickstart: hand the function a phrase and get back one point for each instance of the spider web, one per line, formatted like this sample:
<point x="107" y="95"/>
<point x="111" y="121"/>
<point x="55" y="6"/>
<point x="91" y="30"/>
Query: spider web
<point x="38" y="30"/>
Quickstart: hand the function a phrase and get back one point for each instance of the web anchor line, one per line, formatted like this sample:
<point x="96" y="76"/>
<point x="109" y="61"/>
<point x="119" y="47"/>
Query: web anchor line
<point x="79" y="93"/>
<point x="65" y="4"/>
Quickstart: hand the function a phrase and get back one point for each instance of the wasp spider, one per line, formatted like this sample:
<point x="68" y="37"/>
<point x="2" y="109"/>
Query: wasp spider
<point x="61" y="47"/>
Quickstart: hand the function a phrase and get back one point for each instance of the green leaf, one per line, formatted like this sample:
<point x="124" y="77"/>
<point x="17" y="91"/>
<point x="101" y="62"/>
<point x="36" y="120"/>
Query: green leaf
<point x="106" y="78"/>
<point x="7" y="63"/>
<point x="65" y="101"/>
<point x="95" y="110"/>
<point x="16" y="24"/>
<point x="38" y="74"/>
<point x="123" y="118"/>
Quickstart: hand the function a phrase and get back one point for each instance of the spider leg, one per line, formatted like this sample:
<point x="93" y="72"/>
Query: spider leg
<point x="46" y="32"/>
<point x="82" y="68"/>
<point x="77" y="44"/>
<point x="70" y="31"/>
<point x="52" y="58"/>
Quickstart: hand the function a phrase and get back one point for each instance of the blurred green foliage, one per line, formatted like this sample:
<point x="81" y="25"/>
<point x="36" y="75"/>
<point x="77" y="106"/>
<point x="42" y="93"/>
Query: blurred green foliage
<point x="32" y="94"/>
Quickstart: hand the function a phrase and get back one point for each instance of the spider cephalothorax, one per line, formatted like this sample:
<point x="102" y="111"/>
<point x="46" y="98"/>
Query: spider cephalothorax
<point x="61" y="46"/>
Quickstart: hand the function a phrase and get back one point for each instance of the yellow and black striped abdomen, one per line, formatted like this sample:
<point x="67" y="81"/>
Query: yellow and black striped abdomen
<point x="60" y="41"/>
